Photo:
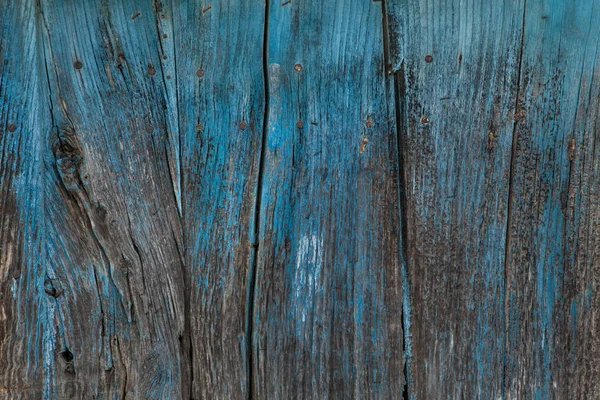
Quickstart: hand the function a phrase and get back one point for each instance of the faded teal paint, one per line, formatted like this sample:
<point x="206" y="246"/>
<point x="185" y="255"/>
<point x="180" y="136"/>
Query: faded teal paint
<point x="235" y="199"/>
<point x="328" y="301"/>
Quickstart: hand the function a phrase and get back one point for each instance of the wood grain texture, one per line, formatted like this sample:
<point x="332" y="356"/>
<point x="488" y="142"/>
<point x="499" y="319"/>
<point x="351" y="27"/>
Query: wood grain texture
<point x="553" y="271"/>
<point x="114" y="234"/>
<point x="457" y="67"/>
<point x="221" y="100"/>
<point x="27" y="315"/>
<point x="327" y="315"/>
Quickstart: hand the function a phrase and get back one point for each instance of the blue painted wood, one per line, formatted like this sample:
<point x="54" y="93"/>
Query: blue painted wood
<point x="553" y="349"/>
<point x="221" y="101"/>
<point x="457" y="65"/>
<point x="240" y="199"/>
<point x="27" y="323"/>
<point x="328" y="299"/>
<point x="114" y="237"/>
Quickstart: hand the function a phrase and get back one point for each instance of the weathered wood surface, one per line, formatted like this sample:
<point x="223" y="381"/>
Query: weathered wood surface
<point x="299" y="199"/>
<point x="498" y="130"/>
<point x="115" y="238"/>
<point x="328" y="295"/>
<point x="27" y="324"/>
<point x="459" y="73"/>
<point x="553" y="344"/>
<point x="221" y="102"/>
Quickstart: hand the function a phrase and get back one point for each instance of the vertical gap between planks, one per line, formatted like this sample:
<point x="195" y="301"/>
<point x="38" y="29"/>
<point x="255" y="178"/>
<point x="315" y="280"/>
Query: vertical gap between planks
<point x="399" y="93"/>
<point x="510" y="207"/>
<point x="256" y="233"/>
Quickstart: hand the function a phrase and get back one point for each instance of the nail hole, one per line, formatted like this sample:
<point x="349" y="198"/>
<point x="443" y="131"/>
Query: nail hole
<point x="66" y="355"/>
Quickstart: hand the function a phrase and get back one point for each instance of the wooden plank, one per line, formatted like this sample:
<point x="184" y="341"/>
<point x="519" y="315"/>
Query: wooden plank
<point x="221" y="110"/>
<point x="27" y="325"/>
<point x="327" y="316"/>
<point x="553" y="273"/>
<point x="114" y="235"/>
<point x="458" y="72"/>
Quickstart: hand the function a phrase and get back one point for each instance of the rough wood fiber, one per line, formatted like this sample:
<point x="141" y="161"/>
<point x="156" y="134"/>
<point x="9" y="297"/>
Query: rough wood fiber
<point x="112" y="225"/>
<point x="553" y="348"/>
<point x="457" y="67"/>
<point x="221" y="110"/>
<point x="327" y="315"/>
<point x="27" y="315"/>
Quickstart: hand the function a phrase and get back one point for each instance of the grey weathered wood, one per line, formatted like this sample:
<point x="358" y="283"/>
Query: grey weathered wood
<point x="112" y="228"/>
<point x="327" y="315"/>
<point x="553" y="347"/>
<point x="457" y="65"/>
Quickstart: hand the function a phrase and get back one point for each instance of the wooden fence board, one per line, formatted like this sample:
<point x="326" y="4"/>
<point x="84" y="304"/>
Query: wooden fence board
<point x="553" y="344"/>
<point x="328" y="286"/>
<point x="117" y="248"/>
<point x="219" y="49"/>
<point x="27" y="326"/>
<point x="457" y="66"/>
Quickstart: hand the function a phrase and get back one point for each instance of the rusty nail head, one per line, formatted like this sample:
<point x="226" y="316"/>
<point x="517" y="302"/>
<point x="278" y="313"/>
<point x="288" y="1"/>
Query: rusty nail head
<point x="12" y="128"/>
<point x="300" y="124"/>
<point x="298" y="67"/>
<point x="149" y="129"/>
<point x="363" y="145"/>
<point x="369" y="123"/>
<point x="424" y="120"/>
<point x="78" y="64"/>
<point x="428" y="58"/>
<point x="200" y="73"/>
<point x="164" y="35"/>
<point x="151" y="70"/>
<point x="243" y="126"/>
